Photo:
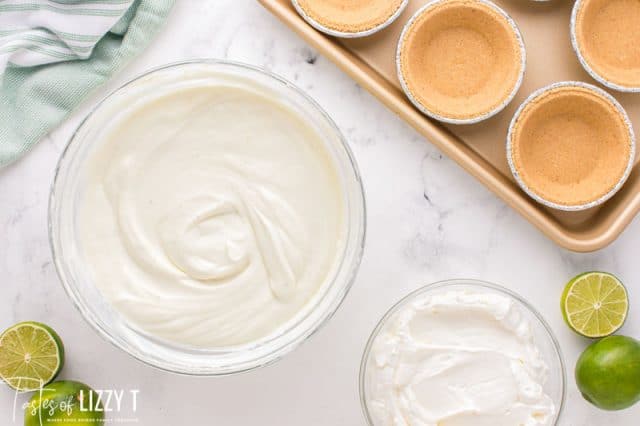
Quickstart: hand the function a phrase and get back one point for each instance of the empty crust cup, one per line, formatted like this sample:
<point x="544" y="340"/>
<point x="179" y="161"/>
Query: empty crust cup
<point x="461" y="61"/>
<point x="350" y="18"/>
<point x="570" y="146"/>
<point x="606" y="37"/>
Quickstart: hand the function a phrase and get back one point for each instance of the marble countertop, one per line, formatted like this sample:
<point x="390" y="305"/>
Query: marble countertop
<point x="428" y="221"/>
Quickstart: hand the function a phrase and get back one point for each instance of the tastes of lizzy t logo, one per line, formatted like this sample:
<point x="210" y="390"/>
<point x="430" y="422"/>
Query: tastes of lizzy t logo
<point x="68" y="402"/>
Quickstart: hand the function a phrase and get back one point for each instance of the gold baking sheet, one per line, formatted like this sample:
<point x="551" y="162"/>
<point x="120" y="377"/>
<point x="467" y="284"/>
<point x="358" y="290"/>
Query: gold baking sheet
<point x="480" y="148"/>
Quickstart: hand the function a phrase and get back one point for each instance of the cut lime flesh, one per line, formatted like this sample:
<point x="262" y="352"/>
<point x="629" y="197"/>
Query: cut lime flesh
<point x="595" y="304"/>
<point x="31" y="355"/>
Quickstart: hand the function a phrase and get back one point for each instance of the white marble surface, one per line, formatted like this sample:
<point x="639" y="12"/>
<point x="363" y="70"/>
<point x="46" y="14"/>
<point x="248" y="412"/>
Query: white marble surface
<point x="458" y="230"/>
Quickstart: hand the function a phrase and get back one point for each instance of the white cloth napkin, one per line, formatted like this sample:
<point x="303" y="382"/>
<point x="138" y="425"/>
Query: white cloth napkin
<point x="53" y="53"/>
<point x="36" y="32"/>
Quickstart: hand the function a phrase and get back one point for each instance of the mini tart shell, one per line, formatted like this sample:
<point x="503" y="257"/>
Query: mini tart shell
<point x="605" y="35"/>
<point x="547" y="173"/>
<point x="478" y="89"/>
<point x="345" y="26"/>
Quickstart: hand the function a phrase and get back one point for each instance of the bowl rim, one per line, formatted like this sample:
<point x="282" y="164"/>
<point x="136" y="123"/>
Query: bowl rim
<point x="571" y="207"/>
<point x="485" y="115"/>
<point x="583" y="61"/>
<point x="358" y="243"/>
<point x="344" y="34"/>
<point x="480" y="284"/>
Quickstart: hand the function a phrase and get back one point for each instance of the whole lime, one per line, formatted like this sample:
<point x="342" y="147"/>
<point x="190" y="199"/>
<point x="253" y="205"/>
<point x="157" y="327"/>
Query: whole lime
<point x="64" y="403"/>
<point x="608" y="373"/>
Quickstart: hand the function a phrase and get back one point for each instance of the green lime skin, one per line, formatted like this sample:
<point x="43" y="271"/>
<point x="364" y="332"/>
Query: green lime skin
<point x="608" y="373"/>
<point x="64" y="403"/>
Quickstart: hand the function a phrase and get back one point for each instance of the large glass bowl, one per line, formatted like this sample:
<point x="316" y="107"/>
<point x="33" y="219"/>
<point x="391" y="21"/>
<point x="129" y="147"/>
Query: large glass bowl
<point x="542" y="334"/>
<point x="73" y="269"/>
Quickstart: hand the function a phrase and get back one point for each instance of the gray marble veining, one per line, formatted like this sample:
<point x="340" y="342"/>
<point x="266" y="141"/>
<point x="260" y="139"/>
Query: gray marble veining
<point x="428" y="220"/>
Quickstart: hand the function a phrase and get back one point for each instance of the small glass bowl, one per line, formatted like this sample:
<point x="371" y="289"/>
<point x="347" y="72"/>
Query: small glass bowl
<point x="542" y="333"/>
<point x="72" y="269"/>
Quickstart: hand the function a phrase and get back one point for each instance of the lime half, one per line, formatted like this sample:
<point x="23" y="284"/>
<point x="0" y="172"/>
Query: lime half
<point x="31" y="355"/>
<point x="595" y="304"/>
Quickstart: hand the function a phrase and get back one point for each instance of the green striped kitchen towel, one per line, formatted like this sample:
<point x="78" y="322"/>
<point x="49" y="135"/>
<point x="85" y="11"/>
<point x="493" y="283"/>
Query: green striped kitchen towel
<point x="54" y="52"/>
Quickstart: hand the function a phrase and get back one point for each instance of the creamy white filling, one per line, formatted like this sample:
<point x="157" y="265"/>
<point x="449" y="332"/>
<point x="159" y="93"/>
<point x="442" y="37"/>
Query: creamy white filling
<point x="458" y="358"/>
<point x="212" y="212"/>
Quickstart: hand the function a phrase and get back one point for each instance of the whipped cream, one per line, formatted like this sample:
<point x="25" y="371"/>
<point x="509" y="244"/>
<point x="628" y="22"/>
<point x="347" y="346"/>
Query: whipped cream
<point x="213" y="212"/>
<point x="457" y="358"/>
